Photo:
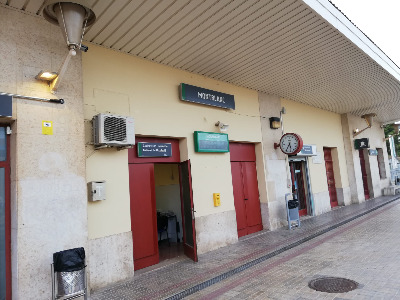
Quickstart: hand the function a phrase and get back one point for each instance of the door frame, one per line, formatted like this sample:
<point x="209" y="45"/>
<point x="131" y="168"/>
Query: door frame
<point x="133" y="159"/>
<point x="7" y="214"/>
<point x="366" y="182"/>
<point x="189" y="251"/>
<point x="332" y="203"/>
<point x="309" y="195"/>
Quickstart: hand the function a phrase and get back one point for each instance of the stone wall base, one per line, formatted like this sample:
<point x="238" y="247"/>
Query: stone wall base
<point x="343" y="196"/>
<point x="110" y="259"/>
<point x="216" y="231"/>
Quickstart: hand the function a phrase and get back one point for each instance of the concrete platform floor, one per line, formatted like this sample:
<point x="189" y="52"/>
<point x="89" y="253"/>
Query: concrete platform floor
<point x="360" y="242"/>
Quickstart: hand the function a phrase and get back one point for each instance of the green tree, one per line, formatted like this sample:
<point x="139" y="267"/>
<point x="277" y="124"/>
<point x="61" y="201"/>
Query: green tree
<point x="390" y="130"/>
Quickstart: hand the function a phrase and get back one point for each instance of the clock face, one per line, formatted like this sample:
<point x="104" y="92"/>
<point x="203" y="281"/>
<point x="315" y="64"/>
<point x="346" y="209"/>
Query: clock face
<point x="291" y="143"/>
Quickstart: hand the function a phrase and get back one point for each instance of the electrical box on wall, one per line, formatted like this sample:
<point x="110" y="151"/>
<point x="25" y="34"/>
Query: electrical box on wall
<point x="217" y="199"/>
<point x="97" y="190"/>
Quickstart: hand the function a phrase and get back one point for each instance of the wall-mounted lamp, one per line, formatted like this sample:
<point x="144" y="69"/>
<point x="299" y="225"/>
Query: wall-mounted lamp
<point x="222" y="127"/>
<point x="73" y="16"/>
<point x="275" y="123"/>
<point x="368" y="118"/>
<point x="46" y="76"/>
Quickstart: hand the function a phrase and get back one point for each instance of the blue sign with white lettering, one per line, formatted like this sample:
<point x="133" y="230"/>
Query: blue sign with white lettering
<point x="373" y="152"/>
<point x="199" y="95"/>
<point x="154" y="149"/>
<point x="307" y="149"/>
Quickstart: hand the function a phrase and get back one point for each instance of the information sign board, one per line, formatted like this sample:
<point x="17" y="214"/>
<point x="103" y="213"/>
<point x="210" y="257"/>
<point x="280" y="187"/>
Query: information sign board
<point x="154" y="149"/>
<point x="211" y="142"/>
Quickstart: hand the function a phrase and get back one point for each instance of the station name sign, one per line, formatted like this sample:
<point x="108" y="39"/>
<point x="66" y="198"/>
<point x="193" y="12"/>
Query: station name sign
<point x="199" y="95"/>
<point x="154" y="149"/>
<point x="211" y="142"/>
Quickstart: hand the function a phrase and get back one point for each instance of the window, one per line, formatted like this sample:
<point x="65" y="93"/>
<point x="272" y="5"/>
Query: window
<point x="381" y="164"/>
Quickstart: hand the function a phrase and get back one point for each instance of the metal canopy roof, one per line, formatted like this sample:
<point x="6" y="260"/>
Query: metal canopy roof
<point x="303" y="50"/>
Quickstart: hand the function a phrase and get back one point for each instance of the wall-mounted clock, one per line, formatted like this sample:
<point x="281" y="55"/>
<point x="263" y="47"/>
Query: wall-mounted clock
<point x="291" y="143"/>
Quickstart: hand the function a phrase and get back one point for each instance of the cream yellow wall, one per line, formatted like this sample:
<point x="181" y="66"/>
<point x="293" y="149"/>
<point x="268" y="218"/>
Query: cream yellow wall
<point x="323" y="129"/>
<point x="166" y="174"/>
<point x="125" y="85"/>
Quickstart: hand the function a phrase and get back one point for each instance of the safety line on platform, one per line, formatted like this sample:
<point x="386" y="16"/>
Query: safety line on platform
<point x="221" y="277"/>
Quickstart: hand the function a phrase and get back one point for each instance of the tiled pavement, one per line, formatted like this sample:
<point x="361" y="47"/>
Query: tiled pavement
<point x="279" y="264"/>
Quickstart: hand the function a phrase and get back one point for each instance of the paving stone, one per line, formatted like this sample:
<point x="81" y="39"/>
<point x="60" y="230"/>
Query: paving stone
<point x="365" y="249"/>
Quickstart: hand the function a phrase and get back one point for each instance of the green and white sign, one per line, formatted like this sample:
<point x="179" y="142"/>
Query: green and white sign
<point x="211" y="142"/>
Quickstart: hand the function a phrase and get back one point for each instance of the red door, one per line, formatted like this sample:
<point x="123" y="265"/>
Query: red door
<point x="364" y="174"/>
<point x="238" y="196"/>
<point x="330" y="177"/>
<point x="246" y="197"/>
<point x="298" y="187"/>
<point x="143" y="215"/>
<point x="189" y="232"/>
<point x="245" y="188"/>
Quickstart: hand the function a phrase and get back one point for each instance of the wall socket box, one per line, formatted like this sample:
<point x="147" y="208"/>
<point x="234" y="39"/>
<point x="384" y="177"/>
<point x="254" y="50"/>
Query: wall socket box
<point x="97" y="190"/>
<point x="217" y="199"/>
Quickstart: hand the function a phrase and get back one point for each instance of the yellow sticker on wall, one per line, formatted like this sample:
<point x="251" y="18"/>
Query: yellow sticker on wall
<point x="47" y="127"/>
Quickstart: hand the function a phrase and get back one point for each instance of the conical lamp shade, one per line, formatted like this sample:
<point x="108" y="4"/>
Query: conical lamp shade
<point x="71" y="18"/>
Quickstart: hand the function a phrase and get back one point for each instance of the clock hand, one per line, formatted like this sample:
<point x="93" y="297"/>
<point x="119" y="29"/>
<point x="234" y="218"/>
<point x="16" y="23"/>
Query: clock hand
<point x="288" y="147"/>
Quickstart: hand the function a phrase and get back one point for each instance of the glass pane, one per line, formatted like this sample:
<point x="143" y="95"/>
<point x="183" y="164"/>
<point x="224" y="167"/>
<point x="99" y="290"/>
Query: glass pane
<point x="3" y="144"/>
<point x="2" y="237"/>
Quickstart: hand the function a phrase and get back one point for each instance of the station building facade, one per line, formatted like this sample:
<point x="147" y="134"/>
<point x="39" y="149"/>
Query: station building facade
<point x="149" y="93"/>
<point x="46" y="207"/>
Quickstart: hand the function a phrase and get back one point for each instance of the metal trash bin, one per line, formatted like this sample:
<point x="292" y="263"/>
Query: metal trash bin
<point x="69" y="274"/>
<point x="292" y="207"/>
<point x="70" y="283"/>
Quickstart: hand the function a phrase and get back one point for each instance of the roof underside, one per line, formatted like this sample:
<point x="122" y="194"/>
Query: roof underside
<point x="279" y="47"/>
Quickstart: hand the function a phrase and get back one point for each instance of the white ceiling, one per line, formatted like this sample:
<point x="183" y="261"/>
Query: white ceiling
<point x="280" y="47"/>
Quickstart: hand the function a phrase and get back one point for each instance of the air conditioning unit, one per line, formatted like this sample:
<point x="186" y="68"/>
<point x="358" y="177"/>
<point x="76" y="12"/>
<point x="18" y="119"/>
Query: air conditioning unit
<point x="113" y="131"/>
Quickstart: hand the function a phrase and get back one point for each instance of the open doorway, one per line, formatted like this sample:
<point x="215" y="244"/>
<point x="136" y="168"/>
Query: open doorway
<point x="161" y="203"/>
<point x="169" y="211"/>
<point x="364" y="173"/>
<point x="301" y="184"/>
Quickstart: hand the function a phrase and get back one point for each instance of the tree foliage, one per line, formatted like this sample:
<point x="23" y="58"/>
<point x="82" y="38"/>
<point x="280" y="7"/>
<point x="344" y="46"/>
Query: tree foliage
<point x="390" y="130"/>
